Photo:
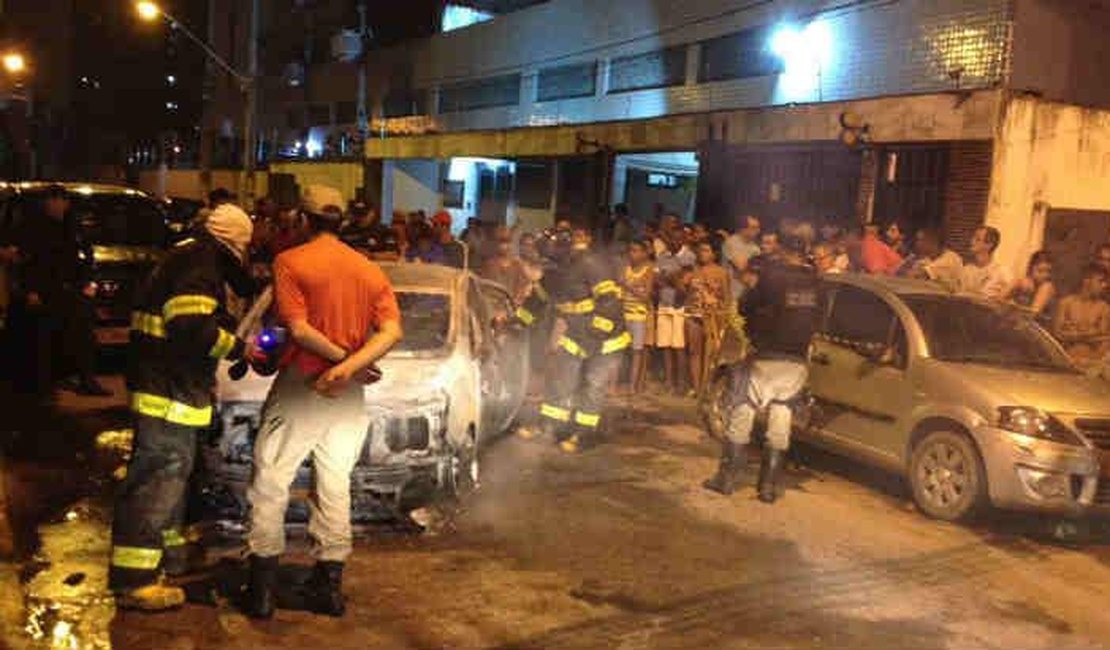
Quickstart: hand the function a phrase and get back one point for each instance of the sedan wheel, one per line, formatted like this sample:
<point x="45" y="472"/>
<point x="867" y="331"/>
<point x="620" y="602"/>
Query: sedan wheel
<point x="947" y="476"/>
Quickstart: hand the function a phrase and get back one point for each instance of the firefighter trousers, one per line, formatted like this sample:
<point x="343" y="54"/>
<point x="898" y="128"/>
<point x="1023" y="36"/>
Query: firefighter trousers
<point x="151" y="501"/>
<point x="575" y="391"/>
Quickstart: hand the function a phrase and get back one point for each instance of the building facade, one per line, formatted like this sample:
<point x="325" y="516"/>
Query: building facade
<point x="938" y="113"/>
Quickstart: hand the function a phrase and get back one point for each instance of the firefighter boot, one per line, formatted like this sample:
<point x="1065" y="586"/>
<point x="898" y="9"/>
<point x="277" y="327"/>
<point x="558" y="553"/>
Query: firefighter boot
<point x="731" y="470"/>
<point x="769" y="473"/>
<point x="261" y="600"/>
<point x="155" y="597"/>
<point x="325" y="589"/>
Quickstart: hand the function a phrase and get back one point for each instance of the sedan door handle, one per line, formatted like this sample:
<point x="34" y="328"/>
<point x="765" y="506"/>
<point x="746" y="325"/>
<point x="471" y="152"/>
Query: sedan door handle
<point x="819" y="358"/>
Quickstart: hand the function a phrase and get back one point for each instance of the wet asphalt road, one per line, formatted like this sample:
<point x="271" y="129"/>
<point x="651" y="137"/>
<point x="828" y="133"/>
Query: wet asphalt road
<point x="617" y="548"/>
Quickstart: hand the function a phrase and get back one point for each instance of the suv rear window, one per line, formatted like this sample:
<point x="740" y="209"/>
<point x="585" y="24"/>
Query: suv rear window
<point x="109" y="219"/>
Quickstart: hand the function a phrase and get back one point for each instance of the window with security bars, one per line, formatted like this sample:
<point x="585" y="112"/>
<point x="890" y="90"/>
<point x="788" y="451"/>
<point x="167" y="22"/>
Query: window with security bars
<point x="483" y="93"/>
<point x="404" y="103"/>
<point x="657" y="69"/>
<point x="741" y="55"/>
<point x="567" y="82"/>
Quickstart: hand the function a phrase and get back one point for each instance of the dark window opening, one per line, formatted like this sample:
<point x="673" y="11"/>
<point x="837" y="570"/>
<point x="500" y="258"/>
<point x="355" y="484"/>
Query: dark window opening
<point x="657" y="69"/>
<point x="567" y="82"/>
<point x="741" y="55"/>
<point x="484" y="93"/>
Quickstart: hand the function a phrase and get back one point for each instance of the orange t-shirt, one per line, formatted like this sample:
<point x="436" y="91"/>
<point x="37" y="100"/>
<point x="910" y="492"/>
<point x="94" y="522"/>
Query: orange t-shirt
<point x="337" y="290"/>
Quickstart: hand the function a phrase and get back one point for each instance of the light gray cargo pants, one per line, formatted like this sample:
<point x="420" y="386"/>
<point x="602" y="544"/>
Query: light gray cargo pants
<point x="298" y="421"/>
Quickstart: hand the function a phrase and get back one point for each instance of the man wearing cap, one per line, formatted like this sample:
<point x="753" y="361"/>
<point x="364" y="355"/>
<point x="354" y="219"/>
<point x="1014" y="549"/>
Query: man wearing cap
<point x="453" y="250"/>
<point x="364" y="231"/>
<point x="342" y="317"/>
<point x="180" y="330"/>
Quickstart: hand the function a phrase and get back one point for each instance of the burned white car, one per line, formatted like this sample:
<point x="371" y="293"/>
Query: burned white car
<point x="455" y="382"/>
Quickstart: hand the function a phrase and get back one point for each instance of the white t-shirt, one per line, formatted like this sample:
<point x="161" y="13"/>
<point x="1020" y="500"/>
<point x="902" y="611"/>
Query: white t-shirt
<point x="991" y="281"/>
<point x="947" y="269"/>
<point x="736" y="248"/>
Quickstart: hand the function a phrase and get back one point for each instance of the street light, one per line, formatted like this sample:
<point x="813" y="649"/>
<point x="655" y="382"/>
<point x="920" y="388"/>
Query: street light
<point x="14" y="63"/>
<point x="150" y="11"/>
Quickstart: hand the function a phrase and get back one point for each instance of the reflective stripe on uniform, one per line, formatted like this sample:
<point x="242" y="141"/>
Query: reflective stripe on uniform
<point x="571" y="346"/>
<point x="172" y="537"/>
<point x="587" y="419"/>
<point x="555" y="412"/>
<point x="606" y="287"/>
<point x="223" y="346"/>
<point x="189" y="305"/>
<point x="616" y="344"/>
<point x="149" y="324"/>
<point x="132" y="557"/>
<point x="580" y="307"/>
<point x="164" y="408"/>
<point x="525" y="316"/>
<point x="603" y="324"/>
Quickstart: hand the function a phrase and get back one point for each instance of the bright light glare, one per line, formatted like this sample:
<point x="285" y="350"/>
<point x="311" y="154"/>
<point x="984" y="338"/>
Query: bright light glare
<point x="313" y="146"/>
<point x="148" y="10"/>
<point x="14" y="63"/>
<point x="806" y="55"/>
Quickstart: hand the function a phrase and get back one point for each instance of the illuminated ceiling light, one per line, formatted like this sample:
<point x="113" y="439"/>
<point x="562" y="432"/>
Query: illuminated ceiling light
<point x="14" y="62"/>
<point x="148" y="10"/>
<point x="806" y="55"/>
<point x="170" y="79"/>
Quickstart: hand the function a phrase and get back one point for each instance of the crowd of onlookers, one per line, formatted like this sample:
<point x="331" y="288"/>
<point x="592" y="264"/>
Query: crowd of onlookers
<point x="679" y="278"/>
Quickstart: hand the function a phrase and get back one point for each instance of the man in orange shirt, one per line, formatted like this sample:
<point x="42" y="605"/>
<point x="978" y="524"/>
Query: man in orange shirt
<point x="877" y="257"/>
<point x="342" y="316"/>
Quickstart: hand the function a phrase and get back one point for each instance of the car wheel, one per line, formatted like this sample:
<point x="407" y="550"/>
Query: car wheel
<point x="714" y="405"/>
<point x="947" y="476"/>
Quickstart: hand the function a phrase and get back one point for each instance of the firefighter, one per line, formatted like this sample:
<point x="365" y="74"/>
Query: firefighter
<point x="180" y="330"/>
<point x="781" y="313"/>
<point x="591" y="338"/>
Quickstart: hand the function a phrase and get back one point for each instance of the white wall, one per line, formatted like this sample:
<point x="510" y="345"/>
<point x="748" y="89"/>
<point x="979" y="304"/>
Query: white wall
<point x="414" y="185"/>
<point x="1047" y="155"/>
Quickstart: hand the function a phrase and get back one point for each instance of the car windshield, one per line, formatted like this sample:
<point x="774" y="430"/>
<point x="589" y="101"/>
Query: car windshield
<point x="426" y="321"/>
<point x="114" y="219"/>
<point x="965" y="331"/>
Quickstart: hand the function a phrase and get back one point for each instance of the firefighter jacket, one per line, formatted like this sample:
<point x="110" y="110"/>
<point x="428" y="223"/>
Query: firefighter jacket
<point x="180" y="330"/>
<point x="587" y="296"/>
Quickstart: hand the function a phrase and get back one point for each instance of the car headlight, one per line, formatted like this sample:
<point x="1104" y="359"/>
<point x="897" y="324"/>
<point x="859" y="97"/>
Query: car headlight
<point x="1033" y="422"/>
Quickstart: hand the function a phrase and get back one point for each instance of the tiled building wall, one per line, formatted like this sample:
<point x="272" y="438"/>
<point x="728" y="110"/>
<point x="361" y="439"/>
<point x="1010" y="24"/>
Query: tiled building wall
<point x="858" y="49"/>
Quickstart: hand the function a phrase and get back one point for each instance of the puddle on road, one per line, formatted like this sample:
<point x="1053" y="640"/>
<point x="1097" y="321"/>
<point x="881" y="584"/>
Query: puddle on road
<point x="67" y="602"/>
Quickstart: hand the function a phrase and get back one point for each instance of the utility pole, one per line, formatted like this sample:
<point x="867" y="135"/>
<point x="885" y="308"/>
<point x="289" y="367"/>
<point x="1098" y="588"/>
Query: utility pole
<point x="250" y="89"/>
<point x="364" y="37"/>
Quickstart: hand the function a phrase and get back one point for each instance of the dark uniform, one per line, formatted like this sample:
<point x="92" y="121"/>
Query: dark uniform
<point x="57" y="335"/>
<point x="586" y="296"/>
<point x="781" y="313"/>
<point x="179" y="332"/>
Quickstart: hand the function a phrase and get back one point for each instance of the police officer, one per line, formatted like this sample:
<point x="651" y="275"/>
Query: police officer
<point x="591" y="337"/>
<point x="781" y="313"/>
<point x="179" y="332"/>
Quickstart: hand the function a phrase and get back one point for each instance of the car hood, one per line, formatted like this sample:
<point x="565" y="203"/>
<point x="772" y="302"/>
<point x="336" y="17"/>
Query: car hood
<point x="403" y="377"/>
<point x="1075" y="394"/>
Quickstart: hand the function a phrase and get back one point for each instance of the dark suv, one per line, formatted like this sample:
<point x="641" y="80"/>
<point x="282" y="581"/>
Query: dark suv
<point x="123" y="229"/>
